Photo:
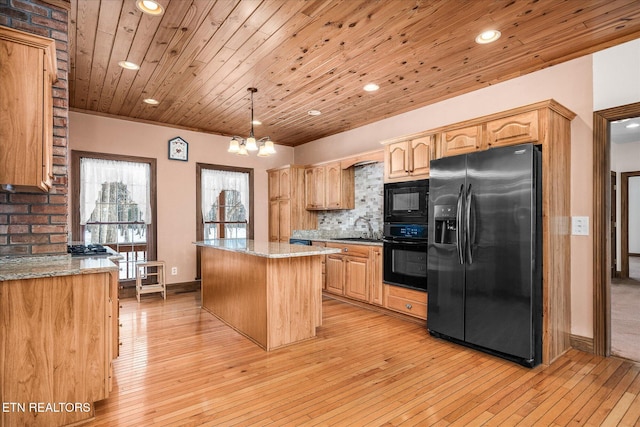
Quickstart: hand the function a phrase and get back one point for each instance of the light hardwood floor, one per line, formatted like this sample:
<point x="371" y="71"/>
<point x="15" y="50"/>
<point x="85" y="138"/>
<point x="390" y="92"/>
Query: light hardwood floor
<point x="625" y="313"/>
<point x="179" y="366"/>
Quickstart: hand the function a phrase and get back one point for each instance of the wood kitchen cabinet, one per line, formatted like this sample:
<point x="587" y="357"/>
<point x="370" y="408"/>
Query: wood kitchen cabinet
<point x="376" y="294"/>
<point x="356" y="272"/>
<point x="286" y="203"/>
<point x="324" y="263"/>
<point x="329" y="186"/>
<point x="409" y="159"/>
<point x="517" y="129"/>
<point x="460" y="141"/>
<point x="407" y="301"/>
<point x="28" y="69"/>
<point x="57" y="338"/>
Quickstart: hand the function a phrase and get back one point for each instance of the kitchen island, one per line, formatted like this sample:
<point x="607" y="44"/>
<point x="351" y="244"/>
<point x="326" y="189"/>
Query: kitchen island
<point x="269" y="292"/>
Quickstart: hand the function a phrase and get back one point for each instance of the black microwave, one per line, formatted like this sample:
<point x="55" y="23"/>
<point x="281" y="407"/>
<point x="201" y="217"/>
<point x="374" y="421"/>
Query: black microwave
<point x="406" y="202"/>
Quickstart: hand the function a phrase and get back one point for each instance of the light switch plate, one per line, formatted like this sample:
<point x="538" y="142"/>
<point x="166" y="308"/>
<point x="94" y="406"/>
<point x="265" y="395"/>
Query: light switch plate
<point x="580" y="225"/>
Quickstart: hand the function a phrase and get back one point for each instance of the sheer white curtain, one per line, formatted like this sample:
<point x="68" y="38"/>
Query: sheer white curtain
<point x="95" y="172"/>
<point x="215" y="181"/>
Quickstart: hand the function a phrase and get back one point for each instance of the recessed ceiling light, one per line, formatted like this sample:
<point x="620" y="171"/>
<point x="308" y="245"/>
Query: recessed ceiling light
<point x="488" y="36"/>
<point x="129" y="65"/>
<point x="256" y="122"/>
<point x="632" y="125"/>
<point x="371" y="87"/>
<point x="151" y="101"/>
<point x="150" y="6"/>
<point x="314" y="112"/>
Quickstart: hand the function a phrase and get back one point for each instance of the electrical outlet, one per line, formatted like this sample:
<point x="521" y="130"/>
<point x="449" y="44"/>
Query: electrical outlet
<point x="174" y="271"/>
<point x="580" y="225"/>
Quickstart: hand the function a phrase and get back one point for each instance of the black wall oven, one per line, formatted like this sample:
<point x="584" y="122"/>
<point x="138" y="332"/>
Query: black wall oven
<point x="405" y="255"/>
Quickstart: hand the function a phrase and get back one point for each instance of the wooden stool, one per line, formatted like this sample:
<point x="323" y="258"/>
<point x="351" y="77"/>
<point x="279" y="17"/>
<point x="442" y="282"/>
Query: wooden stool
<point x="143" y="273"/>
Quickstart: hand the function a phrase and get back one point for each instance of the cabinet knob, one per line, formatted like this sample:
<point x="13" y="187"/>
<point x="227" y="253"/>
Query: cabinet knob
<point x="345" y="250"/>
<point x="120" y="325"/>
<point x="120" y="343"/>
<point x="409" y="306"/>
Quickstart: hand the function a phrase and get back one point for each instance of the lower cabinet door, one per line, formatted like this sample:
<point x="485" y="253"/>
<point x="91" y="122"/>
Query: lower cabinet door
<point x="356" y="284"/>
<point x="335" y="274"/>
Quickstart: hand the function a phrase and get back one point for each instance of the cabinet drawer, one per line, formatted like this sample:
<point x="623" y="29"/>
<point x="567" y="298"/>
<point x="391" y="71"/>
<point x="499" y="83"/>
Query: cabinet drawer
<point x="407" y="301"/>
<point x="351" y="250"/>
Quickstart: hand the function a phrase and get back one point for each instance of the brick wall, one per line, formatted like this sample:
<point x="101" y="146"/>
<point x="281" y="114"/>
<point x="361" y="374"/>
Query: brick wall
<point x="36" y="223"/>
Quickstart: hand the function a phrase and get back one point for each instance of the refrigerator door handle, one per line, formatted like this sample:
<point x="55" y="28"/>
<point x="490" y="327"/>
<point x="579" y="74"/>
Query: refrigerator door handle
<point x="470" y="225"/>
<point x="459" y="225"/>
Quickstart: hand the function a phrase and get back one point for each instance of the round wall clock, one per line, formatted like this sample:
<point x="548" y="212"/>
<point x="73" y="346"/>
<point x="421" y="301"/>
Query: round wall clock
<point x="178" y="149"/>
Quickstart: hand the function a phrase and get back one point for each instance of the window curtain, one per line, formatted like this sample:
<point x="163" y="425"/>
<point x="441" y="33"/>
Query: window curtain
<point x="94" y="173"/>
<point x="215" y="181"/>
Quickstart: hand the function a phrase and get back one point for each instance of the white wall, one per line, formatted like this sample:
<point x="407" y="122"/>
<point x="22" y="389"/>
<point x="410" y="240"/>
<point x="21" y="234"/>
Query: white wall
<point x="616" y="76"/>
<point x="569" y="83"/>
<point x="626" y="158"/>
<point x="175" y="179"/>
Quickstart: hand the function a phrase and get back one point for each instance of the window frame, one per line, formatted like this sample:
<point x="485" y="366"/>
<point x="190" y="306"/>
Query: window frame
<point x="76" y="228"/>
<point x="199" y="219"/>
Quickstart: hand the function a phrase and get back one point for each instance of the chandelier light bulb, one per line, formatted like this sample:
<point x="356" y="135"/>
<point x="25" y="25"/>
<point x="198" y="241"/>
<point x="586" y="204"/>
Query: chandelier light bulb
<point x="251" y="144"/>
<point x="269" y="148"/>
<point x="243" y="151"/>
<point x="262" y="152"/>
<point x="234" y="146"/>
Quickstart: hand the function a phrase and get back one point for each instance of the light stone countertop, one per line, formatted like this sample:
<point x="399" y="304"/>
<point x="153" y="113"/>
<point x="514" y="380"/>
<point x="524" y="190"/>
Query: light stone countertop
<point x="266" y="249"/>
<point x="17" y="268"/>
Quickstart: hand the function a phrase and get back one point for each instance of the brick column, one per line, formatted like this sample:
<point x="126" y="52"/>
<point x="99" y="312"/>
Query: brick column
<point x="36" y="223"/>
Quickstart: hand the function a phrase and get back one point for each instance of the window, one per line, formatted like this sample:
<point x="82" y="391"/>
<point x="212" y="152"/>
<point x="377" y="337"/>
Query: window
<point x="224" y="199"/>
<point x="114" y="205"/>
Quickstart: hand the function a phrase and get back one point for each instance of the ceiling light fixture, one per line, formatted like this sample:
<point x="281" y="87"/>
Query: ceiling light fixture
<point x="371" y="87"/>
<point x="151" y="101"/>
<point x="150" y="6"/>
<point x="241" y="146"/>
<point x="128" y="65"/>
<point x="488" y="36"/>
<point x="314" y="112"/>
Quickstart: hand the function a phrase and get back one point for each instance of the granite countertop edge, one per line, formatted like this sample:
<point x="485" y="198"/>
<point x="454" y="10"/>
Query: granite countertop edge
<point x="20" y="268"/>
<point x="266" y="249"/>
<point x="349" y="242"/>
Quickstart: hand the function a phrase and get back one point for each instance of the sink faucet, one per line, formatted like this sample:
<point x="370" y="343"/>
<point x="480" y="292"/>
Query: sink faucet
<point x="369" y="227"/>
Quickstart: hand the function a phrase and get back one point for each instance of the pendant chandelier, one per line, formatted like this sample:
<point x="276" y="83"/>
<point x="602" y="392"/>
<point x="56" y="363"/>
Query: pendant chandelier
<point x="264" y="146"/>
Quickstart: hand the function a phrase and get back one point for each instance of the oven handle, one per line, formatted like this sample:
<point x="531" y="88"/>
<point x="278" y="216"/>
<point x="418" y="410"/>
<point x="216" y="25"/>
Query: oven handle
<point x="406" y="242"/>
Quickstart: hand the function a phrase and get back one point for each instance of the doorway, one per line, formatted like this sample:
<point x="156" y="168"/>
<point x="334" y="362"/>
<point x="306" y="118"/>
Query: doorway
<point x="602" y="222"/>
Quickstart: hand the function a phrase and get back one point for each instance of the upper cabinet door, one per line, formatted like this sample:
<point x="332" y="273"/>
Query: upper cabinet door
<point x="274" y="185"/>
<point x="285" y="183"/>
<point x="518" y="129"/>
<point x="422" y="150"/>
<point x="396" y="160"/>
<point x="314" y="187"/>
<point x="28" y="70"/>
<point x="460" y="141"/>
<point x="333" y="186"/>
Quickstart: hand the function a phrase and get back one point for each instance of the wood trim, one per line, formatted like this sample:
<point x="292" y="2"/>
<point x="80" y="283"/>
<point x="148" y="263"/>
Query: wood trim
<point x="199" y="220"/>
<point x="624" y="222"/>
<point x="581" y="343"/>
<point x="601" y="223"/>
<point x="62" y="4"/>
<point x="76" y="155"/>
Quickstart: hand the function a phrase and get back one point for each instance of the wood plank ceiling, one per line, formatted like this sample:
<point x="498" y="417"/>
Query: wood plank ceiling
<point x="199" y="57"/>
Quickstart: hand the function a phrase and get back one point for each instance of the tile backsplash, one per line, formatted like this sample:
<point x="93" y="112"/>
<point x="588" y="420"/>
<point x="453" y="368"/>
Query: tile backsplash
<point x="369" y="201"/>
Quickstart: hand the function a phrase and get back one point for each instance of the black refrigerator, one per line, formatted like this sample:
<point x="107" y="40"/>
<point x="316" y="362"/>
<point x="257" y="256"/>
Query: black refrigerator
<point x="484" y="263"/>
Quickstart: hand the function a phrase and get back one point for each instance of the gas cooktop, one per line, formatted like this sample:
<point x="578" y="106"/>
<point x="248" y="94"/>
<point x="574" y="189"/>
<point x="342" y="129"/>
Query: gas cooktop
<point x="87" y="250"/>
